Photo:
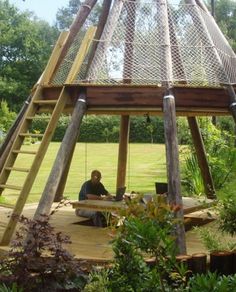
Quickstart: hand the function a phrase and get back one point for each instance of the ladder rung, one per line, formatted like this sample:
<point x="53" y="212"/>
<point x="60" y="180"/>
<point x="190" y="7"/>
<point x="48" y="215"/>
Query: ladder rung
<point x="30" y="135"/>
<point x="17" y="169"/>
<point x="52" y="101"/>
<point x="38" y="118"/>
<point x="24" y="152"/>
<point x="10" y="187"/>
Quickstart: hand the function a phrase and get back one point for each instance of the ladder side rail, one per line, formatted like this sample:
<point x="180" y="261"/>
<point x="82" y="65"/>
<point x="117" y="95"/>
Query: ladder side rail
<point x="34" y="168"/>
<point x="19" y="140"/>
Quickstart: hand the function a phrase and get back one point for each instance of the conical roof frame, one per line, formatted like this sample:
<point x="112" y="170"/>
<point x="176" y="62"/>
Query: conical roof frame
<point x="149" y="42"/>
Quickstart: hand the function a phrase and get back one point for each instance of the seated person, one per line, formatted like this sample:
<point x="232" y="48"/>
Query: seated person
<point x="93" y="189"/>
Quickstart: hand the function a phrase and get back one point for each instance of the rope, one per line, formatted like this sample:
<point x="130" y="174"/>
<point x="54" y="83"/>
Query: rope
<point x="86" y="151"/>
<point x="128" y="166"/>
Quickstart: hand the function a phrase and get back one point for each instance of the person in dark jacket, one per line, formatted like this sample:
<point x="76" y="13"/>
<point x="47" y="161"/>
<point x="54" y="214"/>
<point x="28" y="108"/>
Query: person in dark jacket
<point x="93" y="189"/>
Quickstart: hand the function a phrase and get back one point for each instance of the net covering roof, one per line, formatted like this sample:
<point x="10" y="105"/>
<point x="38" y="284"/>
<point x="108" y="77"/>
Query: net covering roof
<point x="151" y="42"/>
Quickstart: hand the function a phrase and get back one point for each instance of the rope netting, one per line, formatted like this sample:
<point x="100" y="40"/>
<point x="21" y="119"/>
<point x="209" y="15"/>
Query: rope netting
<point x="64" y="69"/>
<point x="139" y="35"/>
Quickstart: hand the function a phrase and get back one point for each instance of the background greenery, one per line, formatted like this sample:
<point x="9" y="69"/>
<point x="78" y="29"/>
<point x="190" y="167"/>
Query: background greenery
<point x="25" y="45"/>
<point x="146" y="164"/>
<point x="106" y="129"/>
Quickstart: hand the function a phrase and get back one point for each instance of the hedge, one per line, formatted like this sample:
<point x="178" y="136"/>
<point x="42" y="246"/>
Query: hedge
<point x="104" y="128"/>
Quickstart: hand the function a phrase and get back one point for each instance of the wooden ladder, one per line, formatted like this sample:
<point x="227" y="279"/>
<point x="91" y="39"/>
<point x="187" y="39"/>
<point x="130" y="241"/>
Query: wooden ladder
<point x="16" y="150"/>
<point x="36" y="102"/>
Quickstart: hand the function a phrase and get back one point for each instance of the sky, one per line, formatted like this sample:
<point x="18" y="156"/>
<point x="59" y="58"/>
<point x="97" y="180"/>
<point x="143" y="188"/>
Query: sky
<point x="44" y="9"/>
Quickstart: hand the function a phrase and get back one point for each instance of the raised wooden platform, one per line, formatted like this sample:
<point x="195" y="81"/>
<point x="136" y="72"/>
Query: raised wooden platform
<point x="131" y="99"/>
<point x="89" y="242"/>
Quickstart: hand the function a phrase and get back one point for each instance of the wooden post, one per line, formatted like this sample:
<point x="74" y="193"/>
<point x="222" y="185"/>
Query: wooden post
<point x="166" y="45"/>
<point x="107" y="34"/>
<point x="123" y="150"/>
<point x="81" y="16"/>
<point x="172" y="159"/>
<point x="129" y="39"/>
<point x="196" y="135"/>
<point x="127" y="78"/>
<point x="101" y="24"/>
<point x="100" y="27"/>
<point x="232" y="96"/>
<point x="185" y="260"/>
<point x="62" y="158"/>
<point x="199" y="263"/>
<point x="170" y="129"/>
<point x="61" y="186"/>
<point x="202" y="158"/>
<point x="207" y="40"/>
<point x="221" y="262"/>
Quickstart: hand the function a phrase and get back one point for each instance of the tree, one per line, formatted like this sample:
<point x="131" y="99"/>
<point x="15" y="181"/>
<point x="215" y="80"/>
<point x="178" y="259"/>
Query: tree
<point x="25" y="45"/>
<point x="65" y="15"/>
<point x="6" y="117"/>
<point x="225" y="15"/>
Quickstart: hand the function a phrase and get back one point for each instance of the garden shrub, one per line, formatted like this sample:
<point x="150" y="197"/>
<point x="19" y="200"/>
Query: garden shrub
<point x="193" y="181"/>
<point x="147" y="231"/>
<point x="212" y="282"/>
<point x="221" y="156"/>
<point x="37" y="259"/>
<point x="227" y="215"/>
<point x="183" y="132"/>
<point x="100" y="129"/>
<point x="7" y="117"/>
<point x="13" y="288"/>
<point x="146" y="130"/>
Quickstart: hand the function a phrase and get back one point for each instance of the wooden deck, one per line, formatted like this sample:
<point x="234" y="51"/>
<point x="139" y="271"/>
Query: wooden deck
<point x="89" y="242"/>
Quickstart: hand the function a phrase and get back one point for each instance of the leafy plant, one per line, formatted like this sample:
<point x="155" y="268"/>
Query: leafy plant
<point x="38" y="260"/>
<point x="6" y="118"/>
<point x="147" y="231"/>
<point x="204" y="283"/>
<point x="212" y="282"/>
<point x="193" y="180"/>
<point x="97" y="281"/>
<point x="214" y="241"/>
<point x="221" y="156"/>
<point x="227" y="216"/>
<point x="13" y="288"/>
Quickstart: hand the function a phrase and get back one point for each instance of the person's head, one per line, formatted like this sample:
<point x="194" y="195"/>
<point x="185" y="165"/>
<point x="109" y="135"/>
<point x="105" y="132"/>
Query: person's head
<point x="96" y="176"/>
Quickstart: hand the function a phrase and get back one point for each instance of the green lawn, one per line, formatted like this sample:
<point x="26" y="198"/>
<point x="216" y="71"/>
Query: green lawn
<point x="146" y="164"/>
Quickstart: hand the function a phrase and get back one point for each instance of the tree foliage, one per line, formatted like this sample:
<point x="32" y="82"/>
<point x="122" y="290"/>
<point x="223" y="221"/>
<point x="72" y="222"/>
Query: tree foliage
<point x="25" y="45"/>
<point x="225" y="15"/>
<point x="6" y="116"/>
<point x="65" y="15"/>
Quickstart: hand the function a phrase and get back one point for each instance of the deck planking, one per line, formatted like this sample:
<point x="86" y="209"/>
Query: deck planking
<point x="94" y="243"/>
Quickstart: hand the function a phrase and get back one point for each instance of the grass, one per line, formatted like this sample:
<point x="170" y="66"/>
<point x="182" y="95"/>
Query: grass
<point x="146" y="165"/>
